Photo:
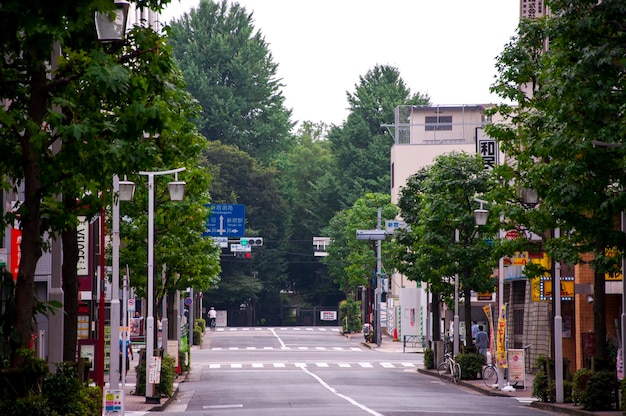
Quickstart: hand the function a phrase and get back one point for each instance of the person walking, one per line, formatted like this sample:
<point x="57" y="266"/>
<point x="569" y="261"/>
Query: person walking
<point x="482" y="341"/>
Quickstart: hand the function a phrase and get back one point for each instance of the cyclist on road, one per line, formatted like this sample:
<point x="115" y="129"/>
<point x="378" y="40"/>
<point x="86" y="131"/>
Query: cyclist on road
<point x="212" y="317"/>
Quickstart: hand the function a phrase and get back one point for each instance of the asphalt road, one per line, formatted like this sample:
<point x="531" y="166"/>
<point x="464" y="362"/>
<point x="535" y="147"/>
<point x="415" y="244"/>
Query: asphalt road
<point x="319" y="372"/>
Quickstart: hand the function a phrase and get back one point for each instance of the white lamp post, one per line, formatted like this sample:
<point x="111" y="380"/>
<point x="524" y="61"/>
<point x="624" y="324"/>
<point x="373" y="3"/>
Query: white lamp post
<point x="122" y="191"/>
<point x="111" y="28"/>
<point x="177" y="192"/>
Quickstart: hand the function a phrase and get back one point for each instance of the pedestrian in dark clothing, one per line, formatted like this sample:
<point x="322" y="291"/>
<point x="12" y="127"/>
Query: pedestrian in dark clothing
<point x="482" y="341"/>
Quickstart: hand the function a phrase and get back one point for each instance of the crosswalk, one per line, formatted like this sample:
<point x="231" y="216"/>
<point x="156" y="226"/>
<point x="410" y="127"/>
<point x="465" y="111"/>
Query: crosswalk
<point x="280" y="329"/>
<point x="285" y="365"/>
<point x="287" y="348"/>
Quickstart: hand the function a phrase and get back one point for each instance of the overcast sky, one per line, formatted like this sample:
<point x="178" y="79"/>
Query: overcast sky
<point x="445" y="48"/>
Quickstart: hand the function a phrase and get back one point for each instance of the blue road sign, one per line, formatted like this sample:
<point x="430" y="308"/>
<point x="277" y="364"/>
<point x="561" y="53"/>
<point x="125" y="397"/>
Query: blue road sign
<point x="226" y="220"/>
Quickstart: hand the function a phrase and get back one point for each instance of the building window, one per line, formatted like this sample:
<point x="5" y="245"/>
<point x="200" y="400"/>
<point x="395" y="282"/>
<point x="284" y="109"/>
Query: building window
<point x="438" y="123"/>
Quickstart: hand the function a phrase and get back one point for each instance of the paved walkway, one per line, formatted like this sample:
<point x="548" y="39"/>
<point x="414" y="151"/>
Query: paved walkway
<point x="523" y="395"/>
<point x="138" y="403"/>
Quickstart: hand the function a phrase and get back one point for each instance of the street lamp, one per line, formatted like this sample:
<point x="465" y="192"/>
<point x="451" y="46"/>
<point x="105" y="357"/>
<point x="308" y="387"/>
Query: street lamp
<point x="111" y="26"/>
<point x="122" y="191"/>
<point x="110" y="29"/>
<point x="481" y="216"/>
<point x="177" y="192"/>
<point x="377" y="235"/>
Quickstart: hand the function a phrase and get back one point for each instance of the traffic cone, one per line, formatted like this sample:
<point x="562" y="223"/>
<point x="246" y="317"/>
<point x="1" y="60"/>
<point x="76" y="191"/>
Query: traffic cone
<point x="395" y="334"/>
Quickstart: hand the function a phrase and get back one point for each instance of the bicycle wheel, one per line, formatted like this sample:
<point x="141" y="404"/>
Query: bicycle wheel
<point x="457" y="373"/>
<point x="445" y="371"/>
<point x="490" y="376"/>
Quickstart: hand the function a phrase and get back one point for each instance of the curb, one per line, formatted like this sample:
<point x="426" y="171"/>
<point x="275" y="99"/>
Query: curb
<point x="463" y="383"/>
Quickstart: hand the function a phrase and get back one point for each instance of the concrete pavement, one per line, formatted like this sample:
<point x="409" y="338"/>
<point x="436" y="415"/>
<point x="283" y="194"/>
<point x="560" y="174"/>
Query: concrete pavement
<point x="523" y="395"/>
<point x="138" y="403"/>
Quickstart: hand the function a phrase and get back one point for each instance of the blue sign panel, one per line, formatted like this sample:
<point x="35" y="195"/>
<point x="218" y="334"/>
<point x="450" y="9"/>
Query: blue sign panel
<point x="226" y="220"/>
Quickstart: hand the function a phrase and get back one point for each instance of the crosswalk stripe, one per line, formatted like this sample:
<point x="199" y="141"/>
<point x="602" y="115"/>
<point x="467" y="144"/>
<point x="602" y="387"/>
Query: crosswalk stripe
<point x="386" y="365"/>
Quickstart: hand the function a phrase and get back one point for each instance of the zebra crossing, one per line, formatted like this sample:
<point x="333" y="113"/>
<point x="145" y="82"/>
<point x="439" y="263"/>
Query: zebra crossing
<point x="286" y="348"/>
<point x="321" y="365"/>
<point x="280" y="329"/>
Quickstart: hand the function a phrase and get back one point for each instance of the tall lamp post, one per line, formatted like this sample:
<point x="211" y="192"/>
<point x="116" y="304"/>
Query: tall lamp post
<point x="481" y="216"/>
<point x="111" y="29"/>
<point x="177" y="192"/>
<point x="122" y="191"/>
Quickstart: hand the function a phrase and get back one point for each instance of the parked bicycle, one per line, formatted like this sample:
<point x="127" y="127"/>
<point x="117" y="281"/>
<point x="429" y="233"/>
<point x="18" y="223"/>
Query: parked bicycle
<point x="449" y="370"/>
<point x="490" y="375"/>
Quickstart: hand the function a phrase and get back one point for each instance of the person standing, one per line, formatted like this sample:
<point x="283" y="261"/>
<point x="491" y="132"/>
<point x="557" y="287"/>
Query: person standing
<point x="128" y="353"/>
<point x="482" y="341"/>
<point x="474" y="330"/>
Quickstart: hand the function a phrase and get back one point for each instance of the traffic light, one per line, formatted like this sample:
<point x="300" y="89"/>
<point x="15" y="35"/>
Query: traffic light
<point x="243" y="255"/>
<point x="251" y="241"/>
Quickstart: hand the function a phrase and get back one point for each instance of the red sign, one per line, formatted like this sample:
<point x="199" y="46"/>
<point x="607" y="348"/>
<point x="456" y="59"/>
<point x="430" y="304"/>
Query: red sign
<point x="511" y="235"/>
<point x="16" y="251"/>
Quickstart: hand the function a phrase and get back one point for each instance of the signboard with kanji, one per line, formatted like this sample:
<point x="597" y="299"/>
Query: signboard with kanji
<point x="226" y="220"/>
<point x="487" y="148"/>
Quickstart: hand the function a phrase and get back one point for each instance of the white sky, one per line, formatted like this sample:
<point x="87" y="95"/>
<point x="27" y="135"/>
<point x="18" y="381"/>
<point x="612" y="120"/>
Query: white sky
<point x="445" y="48"/>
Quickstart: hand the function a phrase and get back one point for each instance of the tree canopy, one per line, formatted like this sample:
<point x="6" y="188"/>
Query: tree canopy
<point x="230" y="71"/>
<point x="442" y="240"/>
<point x="571" y="66"/>
<point x="360" y="146"/>
<point x="75" y="112"/>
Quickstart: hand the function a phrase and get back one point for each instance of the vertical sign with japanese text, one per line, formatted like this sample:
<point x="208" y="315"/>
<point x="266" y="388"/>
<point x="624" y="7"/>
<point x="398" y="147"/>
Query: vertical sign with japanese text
<point x="487" y="148"/>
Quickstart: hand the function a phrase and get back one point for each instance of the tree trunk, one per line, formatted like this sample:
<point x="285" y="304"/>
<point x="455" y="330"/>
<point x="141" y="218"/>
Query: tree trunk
<point x="70" y="293"/>
<point x="30" y="223"/>
<point x="435" y="324"/>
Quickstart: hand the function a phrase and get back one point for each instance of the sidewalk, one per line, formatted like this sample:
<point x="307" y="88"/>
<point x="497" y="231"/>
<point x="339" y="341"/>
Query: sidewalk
<point x="523" y="395"/>
<point x="135" y="403"/>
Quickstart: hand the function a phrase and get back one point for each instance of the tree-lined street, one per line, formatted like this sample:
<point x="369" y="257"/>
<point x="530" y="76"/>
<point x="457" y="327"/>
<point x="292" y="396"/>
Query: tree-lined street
<point x="318" y="371"/>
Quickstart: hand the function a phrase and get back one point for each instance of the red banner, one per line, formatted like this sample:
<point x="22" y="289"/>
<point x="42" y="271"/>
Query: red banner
<point x="16" y="251"/>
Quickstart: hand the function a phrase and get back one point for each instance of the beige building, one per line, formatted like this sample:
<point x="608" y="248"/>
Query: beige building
<point x="422" y="133"/>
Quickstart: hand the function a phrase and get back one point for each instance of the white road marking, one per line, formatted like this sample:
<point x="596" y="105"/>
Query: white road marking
<point x="324" y="365"/>
<point x="282" y="344"/>
<point x="223" y="406"/>
<point x="344" y="365"/>
<point x="236" y="366"/>
<point x="366" y="365"/>
<point x="279" y="365"/>
<point x="387" y="365"/>
<point x="257" y="365"/>
<point x="343" y="396"/>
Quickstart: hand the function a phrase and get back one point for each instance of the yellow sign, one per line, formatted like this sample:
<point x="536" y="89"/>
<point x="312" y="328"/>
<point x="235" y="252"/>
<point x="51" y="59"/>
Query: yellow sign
<point x="617" y="276"/>
<point x="567" y="288"/>
<point x="500" y="339"/>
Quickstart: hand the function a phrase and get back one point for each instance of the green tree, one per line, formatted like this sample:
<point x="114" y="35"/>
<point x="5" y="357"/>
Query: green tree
<point x="230" y="71"/>
<point x="239" y="179"/>
<point x="300" y="168"/>
<point x="352" y="262"/>
<point x="437" y="203"/>
<point x="574" y="95"/>
<point x="66" y="126"/>
<point x="360" y="146"/>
